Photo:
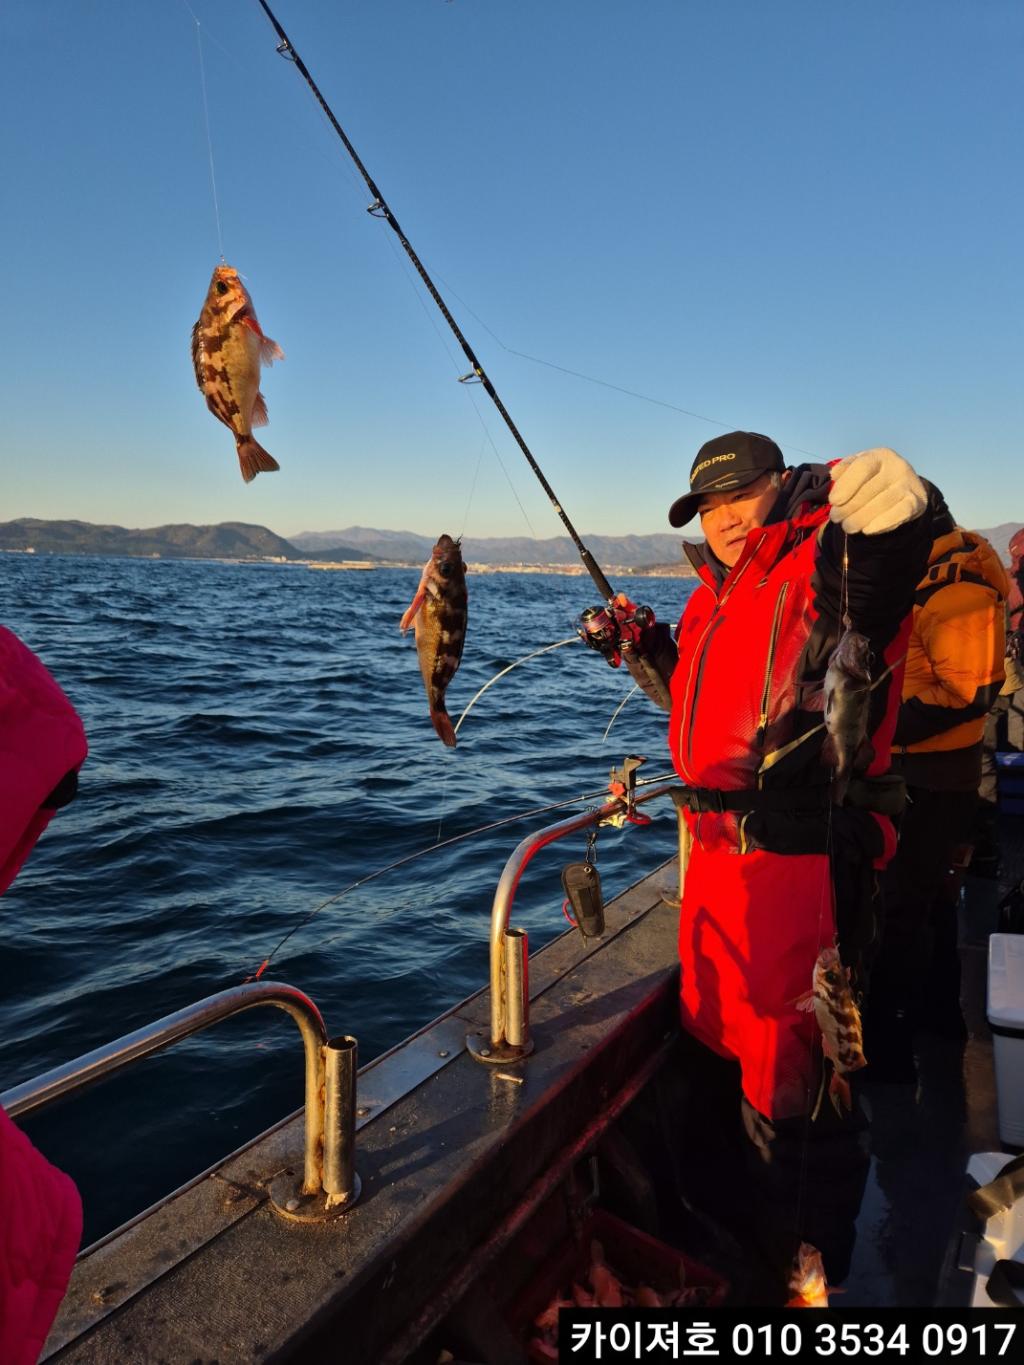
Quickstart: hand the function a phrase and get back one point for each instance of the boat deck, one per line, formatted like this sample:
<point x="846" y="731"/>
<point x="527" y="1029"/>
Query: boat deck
<point x="921" y="1136"/>
<point x="458" y="1159"/>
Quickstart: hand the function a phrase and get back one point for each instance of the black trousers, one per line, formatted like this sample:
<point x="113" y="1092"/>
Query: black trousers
<point x="917" y="967"/>
<point x="772" y="1184"/>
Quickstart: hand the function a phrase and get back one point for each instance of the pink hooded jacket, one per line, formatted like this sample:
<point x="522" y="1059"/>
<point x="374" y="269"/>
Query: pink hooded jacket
<point x="42" y="746"/>
<point x="41" y="742"/>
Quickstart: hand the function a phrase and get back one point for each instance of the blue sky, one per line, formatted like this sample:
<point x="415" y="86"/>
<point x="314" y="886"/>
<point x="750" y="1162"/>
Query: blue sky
<point x="802" y="218"/>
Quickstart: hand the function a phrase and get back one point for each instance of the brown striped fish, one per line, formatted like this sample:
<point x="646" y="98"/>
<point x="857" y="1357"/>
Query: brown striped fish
<point x="807" y="1284"/>
<point x="440" y="613"/>
<point x="228" y="346"/>
<point x="835" y="1009"/>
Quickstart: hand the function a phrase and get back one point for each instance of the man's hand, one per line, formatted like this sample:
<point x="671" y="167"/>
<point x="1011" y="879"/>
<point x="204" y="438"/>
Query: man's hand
<point x="875" y="491"/>
<point x="615" y="628"/>
<point x="1015" y="646"/>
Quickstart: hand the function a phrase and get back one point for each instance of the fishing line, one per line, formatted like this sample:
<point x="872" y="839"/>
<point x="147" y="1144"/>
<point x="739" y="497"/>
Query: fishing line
<point x="635" y="688"/>
<point x="604" y="383"/>
<point x="573" y="640"/>
<point x="379" y="208"/>
<point x="472" y="488"/>
<point x="431" y="848"/>
<point x="206" y="116"/>
<point x="827" y="887"/>
<point x="455" y="366"/>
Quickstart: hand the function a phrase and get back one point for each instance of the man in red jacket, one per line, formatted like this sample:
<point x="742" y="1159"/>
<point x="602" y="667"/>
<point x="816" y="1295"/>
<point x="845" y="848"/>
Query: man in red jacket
<point x="777" y="872"/>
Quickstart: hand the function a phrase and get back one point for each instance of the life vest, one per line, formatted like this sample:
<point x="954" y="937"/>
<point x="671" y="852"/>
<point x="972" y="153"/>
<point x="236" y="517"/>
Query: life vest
<point x="955" y="656"/>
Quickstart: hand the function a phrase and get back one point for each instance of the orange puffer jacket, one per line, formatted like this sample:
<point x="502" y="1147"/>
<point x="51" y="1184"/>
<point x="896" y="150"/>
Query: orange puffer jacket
<point x="955" y="661"/>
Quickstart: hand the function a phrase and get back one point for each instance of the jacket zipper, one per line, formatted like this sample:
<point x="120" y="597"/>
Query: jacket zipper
<point x="773" y="640"/>
<point x="698" y="665"/>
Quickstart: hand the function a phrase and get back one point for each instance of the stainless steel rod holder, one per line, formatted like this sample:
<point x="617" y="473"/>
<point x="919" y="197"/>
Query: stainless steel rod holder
<point x="499" y="1046"/>
<point x="341" y="1062"/>
<point x="517" y="988"/>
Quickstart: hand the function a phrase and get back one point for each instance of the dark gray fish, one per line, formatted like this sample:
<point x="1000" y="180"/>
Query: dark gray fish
<point x="847" y="704"/>
<point x="440" y="612"/>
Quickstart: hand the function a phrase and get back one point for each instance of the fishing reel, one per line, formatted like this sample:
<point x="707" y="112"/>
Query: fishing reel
<point x="614" y="629"/>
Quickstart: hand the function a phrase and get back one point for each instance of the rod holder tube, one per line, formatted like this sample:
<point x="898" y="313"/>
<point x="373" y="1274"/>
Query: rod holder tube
<point x="504" y="895"/>
<point x="517" y="988"/>
<point x="341" y="1062"/>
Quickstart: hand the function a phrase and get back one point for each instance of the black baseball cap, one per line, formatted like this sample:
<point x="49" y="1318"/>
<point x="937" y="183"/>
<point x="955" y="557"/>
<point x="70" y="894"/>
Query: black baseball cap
<point x="726" y="462"/>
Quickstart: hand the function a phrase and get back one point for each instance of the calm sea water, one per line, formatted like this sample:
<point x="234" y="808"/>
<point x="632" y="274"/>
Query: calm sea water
<point x="259" y="739"/>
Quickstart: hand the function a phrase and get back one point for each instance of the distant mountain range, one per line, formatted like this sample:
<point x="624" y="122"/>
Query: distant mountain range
<point x="228" y="540"/>
<point x="621" y="551"/>
<point x="238" y="540"/>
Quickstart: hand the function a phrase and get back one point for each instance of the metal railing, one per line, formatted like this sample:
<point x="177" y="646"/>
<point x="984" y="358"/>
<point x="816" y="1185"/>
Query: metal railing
<point x="328" y="1163"/>
<point x="509" y="952"/>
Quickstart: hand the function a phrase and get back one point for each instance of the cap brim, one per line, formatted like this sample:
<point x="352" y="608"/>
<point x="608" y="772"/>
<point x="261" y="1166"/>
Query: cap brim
<point x="684" y="509"/>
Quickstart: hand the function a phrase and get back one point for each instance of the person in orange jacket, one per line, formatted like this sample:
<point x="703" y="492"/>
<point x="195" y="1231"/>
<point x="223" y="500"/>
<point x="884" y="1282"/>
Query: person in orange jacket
<point x="953" y="675"/>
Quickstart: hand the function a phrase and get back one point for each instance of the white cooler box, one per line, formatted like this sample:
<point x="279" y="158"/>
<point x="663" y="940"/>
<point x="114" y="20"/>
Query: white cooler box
<point x="989" y="1262"/>
<point x="1006" y="1020"/>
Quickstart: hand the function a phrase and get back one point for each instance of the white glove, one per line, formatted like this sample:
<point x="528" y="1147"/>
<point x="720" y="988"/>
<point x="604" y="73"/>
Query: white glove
<point x="875" y="491"/>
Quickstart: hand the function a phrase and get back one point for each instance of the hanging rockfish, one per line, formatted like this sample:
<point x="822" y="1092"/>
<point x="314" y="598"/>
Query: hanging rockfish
<point x="847" y="705"/>
<point x="440" y="613"/>
<point x="807" y="1285"/>
<point x="227" y="348"/>
<point x="835" y="1009"/>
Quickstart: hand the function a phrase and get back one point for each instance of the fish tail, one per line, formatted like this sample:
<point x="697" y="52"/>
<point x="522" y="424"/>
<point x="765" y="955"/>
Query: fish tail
<point x="443" y="725"/>
<point x="253" y="458"/>
<point x="839" y="1093"/>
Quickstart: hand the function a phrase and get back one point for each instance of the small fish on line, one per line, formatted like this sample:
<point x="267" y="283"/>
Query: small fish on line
<point x="837" y="1015"/>
<point x="228" y="347"/>
<point x="807" y="1284"/>
<point x="439" y="610"/>
<point x="847" y="706"/>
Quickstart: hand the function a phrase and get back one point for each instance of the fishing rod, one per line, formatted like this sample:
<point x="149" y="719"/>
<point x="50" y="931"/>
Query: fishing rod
<point x="433" y="848"/>
<point x="594" y="621"/>
<point x="381" y="209"/>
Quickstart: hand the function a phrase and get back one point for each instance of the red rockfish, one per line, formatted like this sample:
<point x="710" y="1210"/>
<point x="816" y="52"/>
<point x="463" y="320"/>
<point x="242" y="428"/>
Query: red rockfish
<point x="227" y="348"/>
<point x="440" y="612"/>
<point x="835" y="1009"/>
<point x="807" y="1282"/>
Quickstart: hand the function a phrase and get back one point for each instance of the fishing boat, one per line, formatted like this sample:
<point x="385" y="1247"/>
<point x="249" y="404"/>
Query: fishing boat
<point x="429" y="1202"/>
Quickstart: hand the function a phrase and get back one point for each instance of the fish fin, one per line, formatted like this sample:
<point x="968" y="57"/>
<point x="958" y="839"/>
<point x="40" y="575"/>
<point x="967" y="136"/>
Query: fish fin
<point x="814" y="701"/>
<point x="412" y="609"/>
<point x="253" y="458"/>
<point x="839" y="789"/>
<point x="839" y="1093"/>
<point x="443" y="725"/>
<point x="829" y="756"/>
<point x="259" y="411"/>
<point x="804" y="1002"/>
<point x="270" y="351"/>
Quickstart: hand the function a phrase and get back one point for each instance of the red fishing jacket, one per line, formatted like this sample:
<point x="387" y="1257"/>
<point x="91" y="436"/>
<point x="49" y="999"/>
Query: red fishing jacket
<point x="753" y="646"/>
<point x="767" y="888"/>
